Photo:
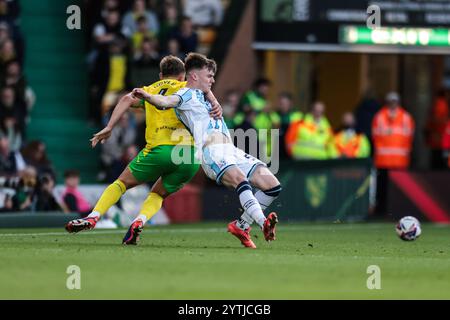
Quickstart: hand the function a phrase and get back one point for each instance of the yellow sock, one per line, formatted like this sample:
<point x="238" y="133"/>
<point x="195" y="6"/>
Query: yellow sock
<point x="151" y="205"/>
<point x="110" y="196"/>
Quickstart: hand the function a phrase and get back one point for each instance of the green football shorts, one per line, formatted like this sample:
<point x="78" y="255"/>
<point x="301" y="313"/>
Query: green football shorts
<point x="176" y="167"/>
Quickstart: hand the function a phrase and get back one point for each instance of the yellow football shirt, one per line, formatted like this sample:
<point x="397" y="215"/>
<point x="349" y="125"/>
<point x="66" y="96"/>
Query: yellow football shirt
<point x="163" y="126"/>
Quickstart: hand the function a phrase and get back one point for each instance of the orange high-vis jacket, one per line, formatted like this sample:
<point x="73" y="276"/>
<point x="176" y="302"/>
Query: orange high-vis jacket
<point x="436" y="123"/>
<point x="352" y="146"/>
<point x="392" y="138"/>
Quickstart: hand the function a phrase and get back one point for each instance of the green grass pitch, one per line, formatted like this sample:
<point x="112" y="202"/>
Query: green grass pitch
<point x="203" y="261"/>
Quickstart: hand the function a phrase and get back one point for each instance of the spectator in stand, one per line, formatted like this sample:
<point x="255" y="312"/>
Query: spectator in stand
<point x="45" y="199"/>
<point x="24" y="95"/>
<point x="123" y="135"/>
<point x="145" y="68"/>
<point x="256" y="99"/>
<point x="446" y="144"/>
<point x="9" y="10"/>
<point x="11" y="162"/>
<point x="256" y="103"/>
<point x="350" y="143"/>
<point x="108" y="62"/>
<point x="130" y="20"/>
<point x="186" y="36"/>
<point x="230" y="108"/>
<point x="435" y="128"/>
<point x="169" y="25"/>
<point x="148" y="55"/>
<point x="282" y="119"/>
<point x="364" y="113"/>
<point x="204" y="13"/>
<point x="108" y="5"/>
<point x="34" y="154"/>
<point x="10" y="107"/>
<point x="312" y="137"/>
<point x="15" y="79"/>
<point x="173" y="48"/>
<point x="141" y="34"/>
<point x="72" y="197"/>
<point x="12" y="32"/>
<point x="109" y="31"/>
<point x="393" y="133"/>
<point x="10" y="128"/>
<point x="7" y="54"/>
<point x="4" y="32"/>
<point x="120" y="164"/>
<point x="116" y="71"/>
<point x="24" y="198"/>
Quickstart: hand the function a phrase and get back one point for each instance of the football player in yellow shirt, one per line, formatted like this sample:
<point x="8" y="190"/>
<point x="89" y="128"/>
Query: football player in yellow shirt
<point x="164" y="133"/>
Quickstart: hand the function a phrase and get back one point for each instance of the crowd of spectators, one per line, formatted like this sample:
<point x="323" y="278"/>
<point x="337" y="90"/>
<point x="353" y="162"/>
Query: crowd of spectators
<point x="128" y="38"/>
<point x="24" y="167"/>
<point x="27" y="177"/>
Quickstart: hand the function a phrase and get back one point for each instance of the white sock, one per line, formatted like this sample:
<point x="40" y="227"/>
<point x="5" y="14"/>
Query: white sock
<point x="95" y="215"/>
<point x="265" y="198"/>
<point x="244" y="222"/>
<point x="250" y="204"/>
<point x="141" y="217"/>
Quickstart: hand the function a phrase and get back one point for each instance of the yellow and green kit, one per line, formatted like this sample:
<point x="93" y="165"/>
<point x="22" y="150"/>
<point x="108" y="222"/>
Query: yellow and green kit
<point x="168" y="141"/>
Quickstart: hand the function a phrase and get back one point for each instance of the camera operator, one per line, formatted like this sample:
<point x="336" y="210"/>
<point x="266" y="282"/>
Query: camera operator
<point x="45" y="199"/>
<point x="24" y="186"/>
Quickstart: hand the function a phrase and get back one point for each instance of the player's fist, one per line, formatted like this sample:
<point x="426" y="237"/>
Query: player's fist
<point x="139" y="93"/>
<point x="216" y="110"/>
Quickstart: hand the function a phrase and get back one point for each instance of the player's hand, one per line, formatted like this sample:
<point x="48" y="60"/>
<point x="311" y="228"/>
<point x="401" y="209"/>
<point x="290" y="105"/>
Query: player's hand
<point x="101" y="136"/>
<point x="216" y="111"/>
<point x="139" y="93"/>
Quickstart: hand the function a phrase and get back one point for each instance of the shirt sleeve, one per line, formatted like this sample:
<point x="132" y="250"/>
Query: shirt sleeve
<point x="186" y="97"/>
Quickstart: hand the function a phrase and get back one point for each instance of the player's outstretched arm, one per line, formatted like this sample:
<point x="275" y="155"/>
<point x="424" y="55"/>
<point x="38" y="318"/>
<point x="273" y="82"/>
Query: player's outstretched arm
<point x="159" y="101"/>
<point x="124" y="104"/>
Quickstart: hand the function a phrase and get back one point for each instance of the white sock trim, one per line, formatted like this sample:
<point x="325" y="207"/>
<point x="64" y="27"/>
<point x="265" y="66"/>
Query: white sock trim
<point x="94" y="214"/>
<point x="141" y="217"/>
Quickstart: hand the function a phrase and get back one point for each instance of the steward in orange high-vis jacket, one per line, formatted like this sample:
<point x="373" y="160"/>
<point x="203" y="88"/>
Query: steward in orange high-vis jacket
<point x="392" y="133"/>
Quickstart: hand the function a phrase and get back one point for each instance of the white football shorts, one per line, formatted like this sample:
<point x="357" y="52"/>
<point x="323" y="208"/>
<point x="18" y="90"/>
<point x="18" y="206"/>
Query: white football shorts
<point x="217" y="158"/>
